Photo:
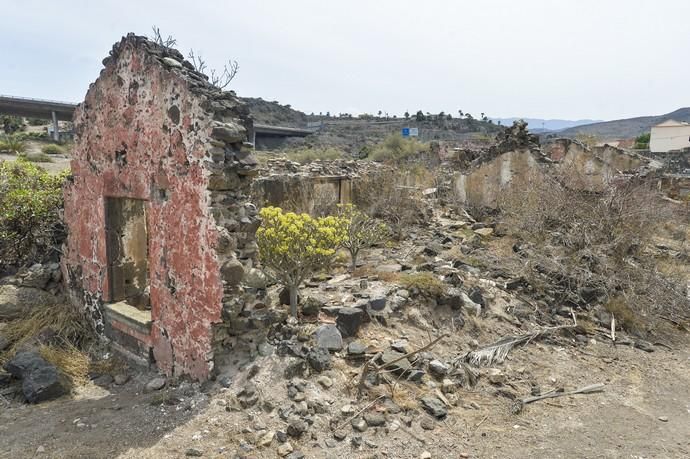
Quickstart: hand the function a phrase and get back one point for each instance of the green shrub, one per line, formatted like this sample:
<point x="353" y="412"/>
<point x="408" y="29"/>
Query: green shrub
<point x="30" y="202"/>
<point x="12" y="144"/>
<point x="11" y="124"/>
<point x="293" y="247"/>
<point x="395" y="148"/>
<point x="642" y="141"/>
<point x="40" y="136"/>
<point x="53" y="149"/>
<point x="35" y="157"/>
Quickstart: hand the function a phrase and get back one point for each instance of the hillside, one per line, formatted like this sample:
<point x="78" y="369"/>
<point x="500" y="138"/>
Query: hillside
<point x="540" y="124"/>
<point x="625" y="128"/>
<point x="351" y="134"/>
<point x="273" y="113"/>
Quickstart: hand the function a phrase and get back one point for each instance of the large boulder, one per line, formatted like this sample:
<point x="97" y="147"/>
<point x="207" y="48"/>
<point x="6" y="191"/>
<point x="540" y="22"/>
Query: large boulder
<point x="17" y="302"/>
<point x="349" y="320"/>
<point x="44" y="383"/>
<point x="434" y="406"/>
<point x="328" y="337"/>
<point x="41" y="380"/>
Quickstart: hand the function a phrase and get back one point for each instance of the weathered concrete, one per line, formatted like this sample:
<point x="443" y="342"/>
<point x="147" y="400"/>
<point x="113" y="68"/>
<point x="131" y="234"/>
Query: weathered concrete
<point x="592" y="169"/>
<point x="595" y="166"/>
<point x="482" y="185"/>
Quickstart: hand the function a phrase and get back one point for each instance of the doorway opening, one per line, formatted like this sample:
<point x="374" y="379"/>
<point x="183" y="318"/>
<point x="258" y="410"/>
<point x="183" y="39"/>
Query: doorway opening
<point x="127" y="251"/>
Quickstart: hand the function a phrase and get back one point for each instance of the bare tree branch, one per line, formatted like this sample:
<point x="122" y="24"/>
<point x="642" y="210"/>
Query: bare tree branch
<point x="223" y="79"/>
<point x="158" y="38"/>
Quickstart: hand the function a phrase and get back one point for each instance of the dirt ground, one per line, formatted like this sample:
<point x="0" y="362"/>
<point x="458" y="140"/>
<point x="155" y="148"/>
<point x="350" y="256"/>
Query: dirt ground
<point x="644" y="412"/>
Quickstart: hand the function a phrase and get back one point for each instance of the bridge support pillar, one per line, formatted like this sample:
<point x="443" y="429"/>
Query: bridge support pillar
<point x="56" y="131"/>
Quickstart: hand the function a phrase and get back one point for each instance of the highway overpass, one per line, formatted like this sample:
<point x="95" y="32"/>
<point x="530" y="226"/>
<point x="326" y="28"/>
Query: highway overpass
<point x="63" y="111"/>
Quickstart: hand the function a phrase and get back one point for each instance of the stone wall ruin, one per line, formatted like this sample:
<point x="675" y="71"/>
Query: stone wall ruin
<point x="160" y="227"/>
<point x="595" y="168"/>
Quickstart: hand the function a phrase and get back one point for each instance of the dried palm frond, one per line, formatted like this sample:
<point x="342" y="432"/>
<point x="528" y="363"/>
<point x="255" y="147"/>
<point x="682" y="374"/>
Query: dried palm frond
<point x="498" y="351"/>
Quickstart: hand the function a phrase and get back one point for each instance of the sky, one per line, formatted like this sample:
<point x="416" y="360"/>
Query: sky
<point x="570" y="59"/>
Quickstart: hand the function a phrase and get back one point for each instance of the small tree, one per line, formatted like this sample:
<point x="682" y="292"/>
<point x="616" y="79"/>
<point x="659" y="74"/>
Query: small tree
<point x="293" y="246"/>
<point x="359" y="231"/>
<point x="420" y="115"/>
<point x="642" y="141"/>
<point x="12" y="124"/>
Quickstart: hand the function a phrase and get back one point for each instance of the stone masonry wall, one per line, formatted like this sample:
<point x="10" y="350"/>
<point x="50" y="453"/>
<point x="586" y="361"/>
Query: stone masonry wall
<point x="151" y="128"/>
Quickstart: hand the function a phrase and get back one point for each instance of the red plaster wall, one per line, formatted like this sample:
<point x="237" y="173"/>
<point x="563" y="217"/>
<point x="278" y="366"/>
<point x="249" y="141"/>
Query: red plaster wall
<point x="126" y="110"/>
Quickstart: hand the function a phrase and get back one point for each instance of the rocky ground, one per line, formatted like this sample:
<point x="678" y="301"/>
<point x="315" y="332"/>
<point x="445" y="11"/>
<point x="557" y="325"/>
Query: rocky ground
<point x="431" y="387"/>
<point x="643" y="411"/>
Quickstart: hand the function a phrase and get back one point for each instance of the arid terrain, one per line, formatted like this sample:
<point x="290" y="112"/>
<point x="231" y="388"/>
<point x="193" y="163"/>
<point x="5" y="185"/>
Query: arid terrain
<point x="168" y="289"/>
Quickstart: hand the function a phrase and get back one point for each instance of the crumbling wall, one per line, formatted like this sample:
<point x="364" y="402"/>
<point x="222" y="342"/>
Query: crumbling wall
<point x="152" y="129"/>
<point x="596" y="166"/>
<point x="312" y="187"/>
<point x="482" y="185"/>
<point x="493" y="170"/>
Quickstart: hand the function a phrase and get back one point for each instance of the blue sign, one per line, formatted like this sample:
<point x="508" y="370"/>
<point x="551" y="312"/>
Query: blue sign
<point x="405" y="132"/>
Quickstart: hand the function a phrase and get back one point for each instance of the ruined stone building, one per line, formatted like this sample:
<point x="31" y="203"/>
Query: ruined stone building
<point x="161" y="229"/>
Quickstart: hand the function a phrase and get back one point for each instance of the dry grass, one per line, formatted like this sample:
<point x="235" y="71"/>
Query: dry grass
<point x="63" y="320"/>
<point x="302" y="155"/>
<point x="111" y="366"/>
<point x="368" y="271"/>
<point x="73" y="362"/>
<point x="70" y="334"/>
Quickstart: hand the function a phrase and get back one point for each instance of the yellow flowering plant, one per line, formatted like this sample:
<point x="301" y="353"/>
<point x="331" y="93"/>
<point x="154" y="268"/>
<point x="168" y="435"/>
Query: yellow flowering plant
<point x="294" y="246"/>
<point x="359" y="231"/>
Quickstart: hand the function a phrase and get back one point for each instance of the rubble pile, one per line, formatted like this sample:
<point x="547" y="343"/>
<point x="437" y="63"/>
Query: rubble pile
<point x="320" y="168"/>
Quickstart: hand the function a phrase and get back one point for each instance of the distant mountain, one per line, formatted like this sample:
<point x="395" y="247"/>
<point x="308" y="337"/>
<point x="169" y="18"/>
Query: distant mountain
<point x="542" y="125"/>
<point x="626" y="128"/>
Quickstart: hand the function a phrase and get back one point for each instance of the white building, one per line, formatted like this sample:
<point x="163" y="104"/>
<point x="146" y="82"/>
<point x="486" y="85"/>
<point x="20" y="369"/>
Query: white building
<point x="669" y="135"/>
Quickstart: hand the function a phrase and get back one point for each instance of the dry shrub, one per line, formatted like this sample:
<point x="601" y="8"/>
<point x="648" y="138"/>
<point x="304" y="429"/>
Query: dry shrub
<point x="425" y="283"/>
<point x="395" y="147"/>
<point x="587" y="244"/>
<point x="624" y="315"/>
<point x="394" y="197"/>
<point x="367" y="271"/>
